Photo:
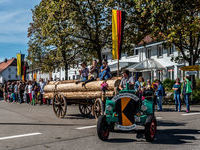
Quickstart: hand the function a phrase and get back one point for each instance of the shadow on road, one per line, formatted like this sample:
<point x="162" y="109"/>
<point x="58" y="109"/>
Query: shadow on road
<point x="173" y="110"/>
<point x="78" y="116"/>
<point x="120" y="140"/>
<point x="170" y="123"/>
<point x="176" y="136"/>
<point x="38" y="124"/>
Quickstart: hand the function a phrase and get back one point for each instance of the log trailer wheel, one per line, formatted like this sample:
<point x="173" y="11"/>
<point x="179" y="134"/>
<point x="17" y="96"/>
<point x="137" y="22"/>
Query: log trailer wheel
<point x="59" y="105"/>
<point x="98" y="108"/>
<point x="85" y="109"/>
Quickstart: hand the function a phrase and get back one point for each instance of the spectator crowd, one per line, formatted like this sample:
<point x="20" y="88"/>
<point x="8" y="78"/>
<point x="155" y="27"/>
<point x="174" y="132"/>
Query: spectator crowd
<point x="30" y="92"/>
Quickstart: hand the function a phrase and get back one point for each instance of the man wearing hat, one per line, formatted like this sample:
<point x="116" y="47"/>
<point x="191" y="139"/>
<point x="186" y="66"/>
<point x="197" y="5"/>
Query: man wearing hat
<point x="126" y="79"/>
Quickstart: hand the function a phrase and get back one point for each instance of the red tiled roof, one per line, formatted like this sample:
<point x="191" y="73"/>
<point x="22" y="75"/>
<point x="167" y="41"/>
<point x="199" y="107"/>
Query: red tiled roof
<point x="10" y="62"/>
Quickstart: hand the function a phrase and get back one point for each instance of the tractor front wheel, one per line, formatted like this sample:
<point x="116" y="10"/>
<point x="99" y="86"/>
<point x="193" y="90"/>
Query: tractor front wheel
<point x="102" y="128"/>
<point x="150" y="129"/>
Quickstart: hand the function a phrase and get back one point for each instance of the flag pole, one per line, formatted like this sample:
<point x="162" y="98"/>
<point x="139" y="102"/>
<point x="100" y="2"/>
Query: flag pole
<point x="118" y="74"/>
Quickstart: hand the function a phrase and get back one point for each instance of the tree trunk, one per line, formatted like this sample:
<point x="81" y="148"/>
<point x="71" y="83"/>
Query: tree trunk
<point x="66" y="71"/>
<point x="65" y="64"/>
<point x="99" y="55"/>
<point x="192" y="62"/>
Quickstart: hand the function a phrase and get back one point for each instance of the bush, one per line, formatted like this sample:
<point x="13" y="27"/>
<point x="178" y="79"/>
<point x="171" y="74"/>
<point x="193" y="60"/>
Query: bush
<point x="197" y="83"/>
<point x="195" y="97"/>
<point x="168" y="84"/>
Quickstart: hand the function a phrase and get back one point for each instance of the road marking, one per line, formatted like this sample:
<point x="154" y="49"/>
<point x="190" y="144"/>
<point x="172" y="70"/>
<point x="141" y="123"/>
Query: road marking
<point x="159" y="118"/>
<point x="189" y="114"/>
<point x="19" y="136"/>
<point x="86" y="127"/>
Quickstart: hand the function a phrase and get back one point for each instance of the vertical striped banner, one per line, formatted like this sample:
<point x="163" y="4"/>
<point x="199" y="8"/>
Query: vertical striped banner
<point x="117" y="32"/>
<point x="19" y="65"/>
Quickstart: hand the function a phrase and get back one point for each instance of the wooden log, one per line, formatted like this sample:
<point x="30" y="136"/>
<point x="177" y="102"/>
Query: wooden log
<point x="91" y="86"/>
<point x="73" y="87"/>
<point x="48" y="95"/>
<point x="50" y="87"/>
<point x="81" y="95"/>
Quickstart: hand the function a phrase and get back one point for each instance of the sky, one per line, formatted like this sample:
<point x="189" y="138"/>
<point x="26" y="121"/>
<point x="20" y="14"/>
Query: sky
<point x="15" y="16"/>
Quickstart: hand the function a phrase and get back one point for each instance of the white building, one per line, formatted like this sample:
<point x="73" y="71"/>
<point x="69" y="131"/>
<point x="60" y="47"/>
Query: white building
<point x="37" y="74"/>
<point x="152" y="61"/>
<point x="8" y="70"/>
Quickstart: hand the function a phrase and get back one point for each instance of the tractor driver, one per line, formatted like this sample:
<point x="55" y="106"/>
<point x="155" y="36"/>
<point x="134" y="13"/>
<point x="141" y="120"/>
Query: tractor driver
<point x="126" y="79"/>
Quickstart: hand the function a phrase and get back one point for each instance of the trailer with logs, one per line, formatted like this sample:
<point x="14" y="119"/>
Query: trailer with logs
<point x="90" y="98"/>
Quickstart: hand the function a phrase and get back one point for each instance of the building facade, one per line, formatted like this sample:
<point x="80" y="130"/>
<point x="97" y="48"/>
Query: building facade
<point x="8" y="70"/>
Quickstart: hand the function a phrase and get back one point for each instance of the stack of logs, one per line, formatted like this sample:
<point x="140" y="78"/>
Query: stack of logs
<point x="71" y="90"/>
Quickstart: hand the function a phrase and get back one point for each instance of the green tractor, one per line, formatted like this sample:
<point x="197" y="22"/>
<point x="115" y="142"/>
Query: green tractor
<point x="126" y="111"/>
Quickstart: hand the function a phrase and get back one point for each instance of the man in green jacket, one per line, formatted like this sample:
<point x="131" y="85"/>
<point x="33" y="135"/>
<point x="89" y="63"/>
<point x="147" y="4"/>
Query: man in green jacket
<point x="186" y="92"/>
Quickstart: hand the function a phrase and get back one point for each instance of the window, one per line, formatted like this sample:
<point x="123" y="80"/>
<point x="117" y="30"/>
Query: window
<point x="136" y="51"/>
<point x="160" y="51"/>
<point x="148" y="53"/>
<point x="170" y="73"/>
<point x="105" y="57"/>
<point x="9" y="76"/>
<point x="73" y="77"/>
<point x="75" y="72"/>
<point x="69" y="78"/>
<point x="78" y="77"/>
<point x="9" y="69"/>
<point x="170" y="51"/>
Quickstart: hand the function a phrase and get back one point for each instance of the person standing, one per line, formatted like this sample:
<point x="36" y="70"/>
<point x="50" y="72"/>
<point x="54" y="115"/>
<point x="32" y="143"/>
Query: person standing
<point x="16" y="91"/>
<point x="30" y="89"/>
<point x="42" y="85"/>
<point x="148" y="85"/>
<point x="186" y="91"/>
<point x="5" y="91"/>
<point x="160" y="94"/>
<point x="177" y="93"/>
<point x="26" y="96"/>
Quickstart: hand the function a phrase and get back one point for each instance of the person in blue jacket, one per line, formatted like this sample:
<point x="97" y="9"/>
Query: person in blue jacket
<point x="104" y="71"/>
<point x="160" y="94"/>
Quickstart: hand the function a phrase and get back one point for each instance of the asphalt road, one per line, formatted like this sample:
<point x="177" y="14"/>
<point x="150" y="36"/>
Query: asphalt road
<point x="25" y="127"/>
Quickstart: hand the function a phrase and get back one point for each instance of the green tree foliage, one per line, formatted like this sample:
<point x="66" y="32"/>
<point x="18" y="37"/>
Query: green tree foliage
<point x="68" y="29"/>
<point x="177" y="21"/>
<point x="63" y="30"/>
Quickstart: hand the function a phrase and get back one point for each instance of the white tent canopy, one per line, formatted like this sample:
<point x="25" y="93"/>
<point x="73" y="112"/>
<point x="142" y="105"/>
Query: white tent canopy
<point x="146" y="65"/>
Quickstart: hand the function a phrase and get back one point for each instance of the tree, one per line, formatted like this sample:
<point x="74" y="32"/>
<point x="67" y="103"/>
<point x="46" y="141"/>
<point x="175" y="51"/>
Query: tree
<point x="175" y="21"/>
<point x="49" y="35"/>
<point x="69" y="28"/>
